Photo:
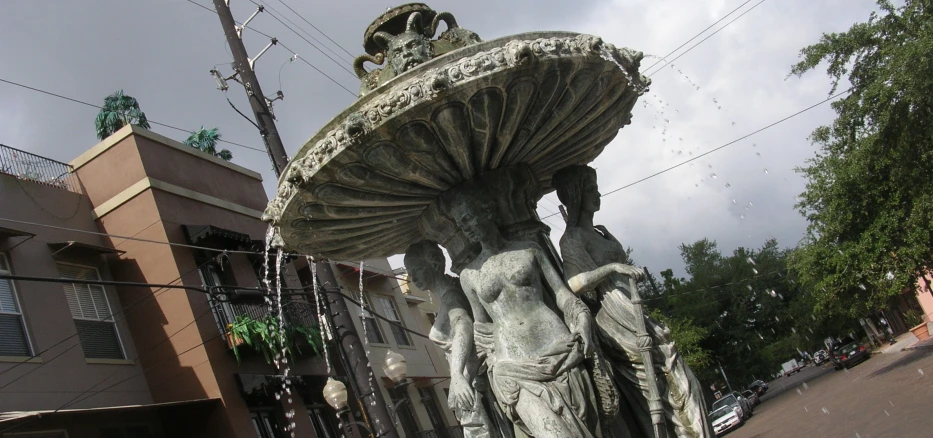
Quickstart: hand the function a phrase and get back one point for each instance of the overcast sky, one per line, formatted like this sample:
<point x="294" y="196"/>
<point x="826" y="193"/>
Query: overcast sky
<point x="161" y="51"/>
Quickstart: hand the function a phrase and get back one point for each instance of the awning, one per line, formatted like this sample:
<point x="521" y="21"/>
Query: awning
<point x="216" y="237"/>
<point x="16" y="415"/>
<point x="77" y="248"/>
<point x="10" y="232"/>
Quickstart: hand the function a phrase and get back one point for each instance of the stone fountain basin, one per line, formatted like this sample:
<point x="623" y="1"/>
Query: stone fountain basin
<point x="546" y="99"/>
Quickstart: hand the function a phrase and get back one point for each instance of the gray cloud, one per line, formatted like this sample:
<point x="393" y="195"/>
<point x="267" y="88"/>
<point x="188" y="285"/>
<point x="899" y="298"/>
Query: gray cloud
<point x="160" y="52"/>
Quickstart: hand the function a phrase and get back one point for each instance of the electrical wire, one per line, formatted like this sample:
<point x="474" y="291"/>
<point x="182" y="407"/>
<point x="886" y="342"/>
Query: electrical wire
<point x="279" y="19"/>
<point x="662" y="59"/>
<point x="771" y="125"/>
<point x="286" y="48"/>
<point x="319" y="30"/>
<point x="49" y="93"/>
<point x="708" y="37"/>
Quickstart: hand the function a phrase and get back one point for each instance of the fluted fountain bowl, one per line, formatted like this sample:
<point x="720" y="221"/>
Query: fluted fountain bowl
<point x="545" y="99"/>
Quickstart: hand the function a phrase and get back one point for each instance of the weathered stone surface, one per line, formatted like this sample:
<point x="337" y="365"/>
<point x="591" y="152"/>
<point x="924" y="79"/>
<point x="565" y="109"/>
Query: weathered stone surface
<point x="544" y="99"/>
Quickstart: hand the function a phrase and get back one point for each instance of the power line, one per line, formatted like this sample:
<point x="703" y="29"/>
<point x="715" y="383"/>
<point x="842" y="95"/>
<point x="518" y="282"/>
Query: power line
<point x="727" y="144"/>
<point x="49" y="93"/>
<point x="339" y="64"/>
<point x="286" y="48"/>
<point x="661" y="59"/>
<point x="708" y="36"/>
<point x="319" y="30"/>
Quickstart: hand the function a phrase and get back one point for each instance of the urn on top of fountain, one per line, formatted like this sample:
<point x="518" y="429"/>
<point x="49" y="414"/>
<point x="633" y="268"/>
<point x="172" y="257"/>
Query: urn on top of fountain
<point x="402" y="38"/>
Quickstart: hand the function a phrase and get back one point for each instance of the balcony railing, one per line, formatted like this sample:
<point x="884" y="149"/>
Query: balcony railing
<point x="296" y="312"/>
<point x="31" y="167"/>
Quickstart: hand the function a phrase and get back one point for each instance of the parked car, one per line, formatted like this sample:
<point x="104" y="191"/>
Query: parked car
<point x="820" y="357"/>
<point x="729" y="412"/>
<point x="752" y="398"/>
<point x="759" y="386"/>
<point x="725" y="419"/>
<point x="852" y="354"/>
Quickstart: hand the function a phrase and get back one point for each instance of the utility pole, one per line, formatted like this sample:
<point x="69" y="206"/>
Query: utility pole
<point x="265" y="121"/>
<point x="724" y="376"/>
<point x="351" y="350"/>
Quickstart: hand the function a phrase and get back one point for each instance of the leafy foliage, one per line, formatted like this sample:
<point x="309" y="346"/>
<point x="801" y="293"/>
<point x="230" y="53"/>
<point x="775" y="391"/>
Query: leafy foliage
<point x="206" y="140"/>
<point x="869" y="196"/>
<point x="118" y="111"/>
<point x="743" y="311"/>
<point x="263" y="334"/>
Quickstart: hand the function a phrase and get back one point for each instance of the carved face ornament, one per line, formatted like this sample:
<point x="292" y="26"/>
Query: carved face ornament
<point x="475" y="219"/>
<point x="408" y="49"/>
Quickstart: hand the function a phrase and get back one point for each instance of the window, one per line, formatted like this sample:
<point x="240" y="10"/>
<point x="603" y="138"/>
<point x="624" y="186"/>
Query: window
<point x="370" y="325"/>
<point x="404" y="410"/>
<point x="224" y="313"/>
<point x="322" y="418"/>
<point x="434" y="411"/>
<point x="91" y="312"/>
<point x="265" y="424"/>
<point x="13" y="339"/>
<point x="390" y="312"/>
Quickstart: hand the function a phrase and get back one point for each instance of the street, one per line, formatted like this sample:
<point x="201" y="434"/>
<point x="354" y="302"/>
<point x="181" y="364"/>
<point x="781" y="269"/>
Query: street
<point x="886" y="396"/>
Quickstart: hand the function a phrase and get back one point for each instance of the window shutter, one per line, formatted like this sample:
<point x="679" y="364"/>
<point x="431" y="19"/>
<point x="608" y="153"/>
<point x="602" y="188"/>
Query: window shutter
<point x="99" y="339"/>
<point x="13" y="336"/>
<point x="7" y="301"/>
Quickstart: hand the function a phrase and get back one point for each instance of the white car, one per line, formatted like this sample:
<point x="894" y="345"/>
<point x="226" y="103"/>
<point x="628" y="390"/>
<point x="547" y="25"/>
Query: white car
<point x="725" y="419"/>
<point x="820" y="357"/>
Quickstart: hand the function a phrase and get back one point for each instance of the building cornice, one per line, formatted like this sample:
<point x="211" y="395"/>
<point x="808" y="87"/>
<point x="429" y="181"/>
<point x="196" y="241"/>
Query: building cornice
<point x="150" y="183"/>
<point x="128" y="130"/>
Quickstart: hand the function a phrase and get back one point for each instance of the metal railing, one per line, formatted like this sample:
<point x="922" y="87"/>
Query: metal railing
<point x="31" y="167"/>
<point x="297" y="312"/>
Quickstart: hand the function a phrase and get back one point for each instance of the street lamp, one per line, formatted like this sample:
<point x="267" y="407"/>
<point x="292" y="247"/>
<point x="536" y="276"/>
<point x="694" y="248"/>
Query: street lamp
<point x="335" y="393"/>
<point x="395" y="368"/>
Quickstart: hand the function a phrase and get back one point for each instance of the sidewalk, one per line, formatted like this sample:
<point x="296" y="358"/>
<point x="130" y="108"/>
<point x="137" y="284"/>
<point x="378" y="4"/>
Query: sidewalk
<point x="904" y="342"/>
<point x="922" y="345"/>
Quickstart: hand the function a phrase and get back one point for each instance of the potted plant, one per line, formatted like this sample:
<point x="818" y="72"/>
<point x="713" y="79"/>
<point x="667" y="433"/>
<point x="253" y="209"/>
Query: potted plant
<point x="262" y="334"/>
<point x="919" y="330"/>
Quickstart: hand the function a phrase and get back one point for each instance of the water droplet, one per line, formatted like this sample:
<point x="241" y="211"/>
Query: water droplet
<point x="681" y="139"/>
<point x="728" y="186"/>
<point x="886" y="413"/>
<point x="889" y="276"/>
<point x="805" y="386"/>
<point x="696" y="185"/>
<point x="748" y="286"/>
<point x="766" y="171"/>
<point x="892" y="403"/>
<point x="733" y="201"/>
<point x="712" y="175"/>
<point x="733" y="123"/>
<point x="826" y="411"/>
<point x="758" y="154"/>
<point x="667" y="121"/>
<point x="691" y="164"/>
<point x="750" y="261"/>
<point x="761" y="337"/>
<point x="754" y="145"/>
<point x="708" y="165"/>
<point x="773" y="293"/>
<point x="862" y="286"/>
<point x="920" y="371"/>
<point x="805" y="409"/>
<point x="755" y="271"/>
<point x="742" y="216"/>
<point x="799" y="391"/>
<point x="750" y="204"/>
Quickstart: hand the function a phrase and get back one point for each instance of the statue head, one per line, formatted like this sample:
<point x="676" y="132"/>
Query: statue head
<point x="425" y="263"/>
<point x="578" y="190"/>
<point x="474" y="211"/>
<point x="409" y="49"/>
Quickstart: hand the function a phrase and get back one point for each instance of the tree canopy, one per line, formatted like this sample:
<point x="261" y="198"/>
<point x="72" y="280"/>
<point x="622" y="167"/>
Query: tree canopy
<point x="744" y="311"/>
<point x="119" y="110"/>
<point x="869" y="196"/>
<point x="206" y="141"/>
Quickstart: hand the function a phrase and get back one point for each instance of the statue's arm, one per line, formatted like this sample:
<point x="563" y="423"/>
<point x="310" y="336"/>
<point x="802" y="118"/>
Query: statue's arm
<point x="581" y="270"/>
<point x="576" y="315"/>
<point x="462" y="327"/>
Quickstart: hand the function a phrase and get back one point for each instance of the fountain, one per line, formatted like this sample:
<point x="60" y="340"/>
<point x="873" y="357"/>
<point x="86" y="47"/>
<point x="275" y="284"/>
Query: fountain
<point x="452" y="142"/>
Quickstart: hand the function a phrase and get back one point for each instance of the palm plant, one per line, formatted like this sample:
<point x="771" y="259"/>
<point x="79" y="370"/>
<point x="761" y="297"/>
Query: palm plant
<point x="206" y="141"/>
<point x="118" y="111"/>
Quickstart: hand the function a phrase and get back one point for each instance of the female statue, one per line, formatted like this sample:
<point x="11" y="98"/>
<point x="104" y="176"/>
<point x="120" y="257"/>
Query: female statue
<point x="591" y="257"/>
<point x="534" y="358"/>
<point x="453" y="333"/>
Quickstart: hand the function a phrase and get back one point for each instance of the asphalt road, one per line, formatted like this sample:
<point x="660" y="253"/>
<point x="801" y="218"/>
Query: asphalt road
<point x="889" y="395"/>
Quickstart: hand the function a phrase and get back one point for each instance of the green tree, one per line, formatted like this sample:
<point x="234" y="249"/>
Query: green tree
<point x="118" y="111"/>
<point x="869" y="196"/>
<point x="206" y="141"/>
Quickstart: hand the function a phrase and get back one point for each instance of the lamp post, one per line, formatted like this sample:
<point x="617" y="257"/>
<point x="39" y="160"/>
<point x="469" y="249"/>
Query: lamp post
<point x="335" y="393"/>
<point x="395" y="368"/>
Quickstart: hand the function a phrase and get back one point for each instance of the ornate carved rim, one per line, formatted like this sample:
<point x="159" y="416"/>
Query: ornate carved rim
<point x="390" y="105"/>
